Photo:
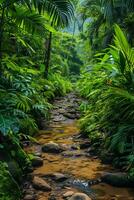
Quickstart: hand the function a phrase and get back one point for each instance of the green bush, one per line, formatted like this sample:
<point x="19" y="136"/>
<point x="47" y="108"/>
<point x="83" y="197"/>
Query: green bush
<point x="61" y="85"/>
<point x="109" y="88"/>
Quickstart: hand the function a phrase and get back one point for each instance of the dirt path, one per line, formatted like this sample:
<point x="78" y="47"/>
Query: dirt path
<point x="64" y="160"/>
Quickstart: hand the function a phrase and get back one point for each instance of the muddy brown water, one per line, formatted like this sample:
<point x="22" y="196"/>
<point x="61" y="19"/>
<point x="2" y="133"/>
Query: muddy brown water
<point x="73" y="162"/>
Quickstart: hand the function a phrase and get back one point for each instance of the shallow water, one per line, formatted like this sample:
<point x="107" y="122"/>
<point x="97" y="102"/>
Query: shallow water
<point x="75" y="163"/>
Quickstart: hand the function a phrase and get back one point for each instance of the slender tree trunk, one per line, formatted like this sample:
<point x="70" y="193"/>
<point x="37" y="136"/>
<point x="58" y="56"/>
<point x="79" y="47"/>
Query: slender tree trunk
<point x="48" y="55"/>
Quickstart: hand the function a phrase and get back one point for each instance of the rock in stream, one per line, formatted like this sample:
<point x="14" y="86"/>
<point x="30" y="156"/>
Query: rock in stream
<point x="52" y="147"/>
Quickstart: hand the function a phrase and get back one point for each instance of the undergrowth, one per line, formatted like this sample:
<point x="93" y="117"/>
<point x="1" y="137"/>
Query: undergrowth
<point x="108" y="113"/>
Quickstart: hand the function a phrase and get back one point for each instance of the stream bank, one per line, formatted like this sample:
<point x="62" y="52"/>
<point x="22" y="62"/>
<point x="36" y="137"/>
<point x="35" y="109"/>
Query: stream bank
<point x="64" y="167"/>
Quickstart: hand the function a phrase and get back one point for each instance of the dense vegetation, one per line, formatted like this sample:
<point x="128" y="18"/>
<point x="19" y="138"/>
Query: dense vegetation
<point x="39" y="58"/>
<point x="107" y="80"/>
<point x="26" y="88"/>
<point x="108" y="87"/>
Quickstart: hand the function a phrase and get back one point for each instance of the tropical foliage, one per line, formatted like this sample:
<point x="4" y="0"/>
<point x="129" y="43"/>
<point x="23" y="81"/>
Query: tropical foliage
<point x="65" y="55"/>
<point x="108" y="87"/>
<point x="100" y="17"/>
<point x="25" y="95"/>
<point x="51" y="47"/>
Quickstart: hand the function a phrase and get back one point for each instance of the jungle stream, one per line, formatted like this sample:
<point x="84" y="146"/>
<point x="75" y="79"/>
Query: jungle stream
<point x="65" y="166"/>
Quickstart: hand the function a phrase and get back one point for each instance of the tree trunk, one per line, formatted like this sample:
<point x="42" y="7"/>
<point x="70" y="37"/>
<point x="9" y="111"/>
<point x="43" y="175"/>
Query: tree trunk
<point x="47" y="55"/>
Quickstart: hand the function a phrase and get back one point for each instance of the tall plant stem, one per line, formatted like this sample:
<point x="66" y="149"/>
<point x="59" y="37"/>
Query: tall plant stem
<point x="48" y="55"/>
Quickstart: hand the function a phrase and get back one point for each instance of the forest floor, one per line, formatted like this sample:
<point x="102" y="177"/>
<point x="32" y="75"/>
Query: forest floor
<point x="64" y="164"/>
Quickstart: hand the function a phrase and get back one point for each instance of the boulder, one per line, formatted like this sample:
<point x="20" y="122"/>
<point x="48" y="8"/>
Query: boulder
<point x="118" y="179"/>
<point x="52" y="147"/>
<point x="69" y="115"/>
<point x="59" y="177"/>
<point x="68" y="194"/>
<point x="80" y="196"/>
<point x="40" y="184"/>
<point x="37" y="161"/>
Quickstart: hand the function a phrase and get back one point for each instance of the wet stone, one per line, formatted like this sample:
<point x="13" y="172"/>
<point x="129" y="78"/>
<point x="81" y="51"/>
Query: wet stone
<point x="58" y="118"/>
<point x="72" y="111"/>
<point x="59" y="177"/>
<point x="38" y="154"/>
<point x="52" y="147"/>
<point x="29" y="197"/>
<point x="118" y="179"/>
<point x="84" y="171"/>
<point x="74" y="147"/>
<point x="61" y="111"/>
<point x="52" y="197"/>
<point x="41" y="184"/>
<point x="74" y="154"/>
<point x="70" y="116"/>
<point x="37" y="161"/>
<point x="80" y="196"/>
<point x="68" y="194"/>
